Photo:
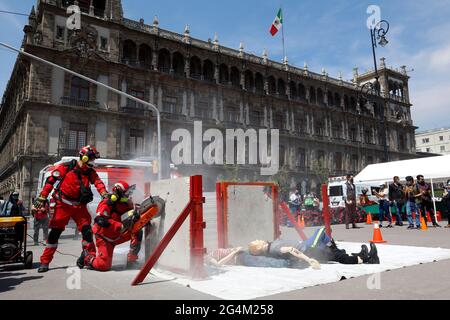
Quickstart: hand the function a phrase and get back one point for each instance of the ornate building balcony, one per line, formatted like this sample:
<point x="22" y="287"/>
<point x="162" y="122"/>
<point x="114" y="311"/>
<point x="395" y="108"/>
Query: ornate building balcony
<point x="68" y="101"/>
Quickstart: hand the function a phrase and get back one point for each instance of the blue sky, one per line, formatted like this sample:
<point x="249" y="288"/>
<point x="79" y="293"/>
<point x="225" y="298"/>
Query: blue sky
<point x="326" y="35"/>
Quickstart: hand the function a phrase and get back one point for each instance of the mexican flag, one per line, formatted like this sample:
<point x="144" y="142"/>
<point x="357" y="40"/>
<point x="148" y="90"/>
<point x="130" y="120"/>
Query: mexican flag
<point x="277" y="23"/>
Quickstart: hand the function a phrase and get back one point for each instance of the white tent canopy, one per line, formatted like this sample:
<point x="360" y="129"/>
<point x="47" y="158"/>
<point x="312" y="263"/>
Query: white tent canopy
<point x="435" y="168"/>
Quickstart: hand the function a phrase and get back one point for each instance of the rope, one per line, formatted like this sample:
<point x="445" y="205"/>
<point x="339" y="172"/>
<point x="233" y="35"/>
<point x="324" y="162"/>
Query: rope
<point x="61" y="253"/>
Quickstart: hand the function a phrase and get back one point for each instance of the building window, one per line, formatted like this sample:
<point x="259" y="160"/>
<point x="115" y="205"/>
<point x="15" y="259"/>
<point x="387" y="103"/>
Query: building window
<point x="138" y="94"/>
<point x="442" y="148"/>
<point x="77" y="136"/>
<point x="301" y="158"/>
<point x="441" y="138"/>
<point x="79" y="89"/>
<point x="426" y="140"/>
<point x="136" y="141"/>
<point x="203" y="111"/>
<point x="104" y="43"/>
<point x="353" y="134"/>
<point x="170" y="105"/>
<point x="60" y="32"/>
<point x="338" y="161"/>
<point x="428" y="150"/>
<point x="354" y="163"/>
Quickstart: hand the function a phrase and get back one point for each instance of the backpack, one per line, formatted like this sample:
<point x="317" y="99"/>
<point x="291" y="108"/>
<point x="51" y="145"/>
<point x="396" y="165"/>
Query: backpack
<point x="86" y="194"/>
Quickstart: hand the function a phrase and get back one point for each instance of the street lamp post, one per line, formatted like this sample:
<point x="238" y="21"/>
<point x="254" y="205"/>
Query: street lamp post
<point x="378" y="37"/>
<point x="153" y="107"/>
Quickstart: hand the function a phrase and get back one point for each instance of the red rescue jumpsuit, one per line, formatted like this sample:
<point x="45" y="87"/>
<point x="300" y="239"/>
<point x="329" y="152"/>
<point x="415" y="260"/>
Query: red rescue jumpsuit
<point x="107" y="238"/>
<point x="67" y="205"/>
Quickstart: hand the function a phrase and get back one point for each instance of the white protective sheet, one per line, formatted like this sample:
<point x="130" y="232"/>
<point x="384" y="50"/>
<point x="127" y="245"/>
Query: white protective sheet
<point x="240" y="283"/>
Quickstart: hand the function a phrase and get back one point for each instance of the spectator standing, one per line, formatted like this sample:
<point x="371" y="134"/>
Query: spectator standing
<point x="423" y="199"/>
<point x="397" y="198"/>
<point x="294" y="203"/>
<point x="446" y="201"/>
<point x="41" y="221"/>
<point x="13" y="207"/>
<point x="349" y="193"/>
<point x="411" y="203"/>
<point x="383" y="200"/>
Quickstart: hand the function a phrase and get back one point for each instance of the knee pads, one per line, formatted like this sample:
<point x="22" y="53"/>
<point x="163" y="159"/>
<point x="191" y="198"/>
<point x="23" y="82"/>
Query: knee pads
<point x="54" y="235"/>
<point x="86" y="233"/>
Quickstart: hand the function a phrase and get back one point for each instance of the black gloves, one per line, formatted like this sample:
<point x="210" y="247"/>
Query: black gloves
<point x="39" y="202"/>
<point x="102" y="221"/>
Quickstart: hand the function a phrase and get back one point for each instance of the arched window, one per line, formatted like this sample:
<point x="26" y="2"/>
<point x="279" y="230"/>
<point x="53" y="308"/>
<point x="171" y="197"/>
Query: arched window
<point x="164" y="61"/>
<point x="223" y="74"/>
<point x="145" y="56"/>
<point x="272" y="85"/>
<point x="346" y="103"/>
<point x="129" y="52"/>
<point x="293" y="90"/>
<point x="337" y="100"/>
<point x="281" y="88"/>
<point x="301" y="92"/>
<point x="178" y="64"/>
<point x="208" y="70"/>
<point x="330" y="99"/>
<point x="249" y="82"/>
<point x="259" y="83"/>
<point x="353" y="104"/>
<point x="312" y="95"/>
<point x="235" y="77"/>
<point x="195" y="68"/>
<point x="320" y="97"/>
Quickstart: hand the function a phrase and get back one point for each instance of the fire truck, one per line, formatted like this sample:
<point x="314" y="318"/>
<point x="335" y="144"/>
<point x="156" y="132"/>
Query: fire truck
<point x="110" y="171"/>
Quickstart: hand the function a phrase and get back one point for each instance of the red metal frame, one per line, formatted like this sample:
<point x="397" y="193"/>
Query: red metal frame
<point x="222" y="208"/>
<point x="195" y="209"/>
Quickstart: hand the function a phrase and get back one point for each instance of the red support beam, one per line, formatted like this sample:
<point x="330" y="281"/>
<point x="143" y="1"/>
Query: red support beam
<point x="163" y="244"/>
<point x="326" y="209"/>
<point x="197" y="225"/>
<point x="220" y="216"/>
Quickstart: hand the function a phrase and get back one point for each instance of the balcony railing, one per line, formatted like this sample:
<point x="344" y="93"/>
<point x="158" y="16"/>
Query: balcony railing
<point x="136" y="108"/>
<point x="68" y="101"/>
<point x="65" y="152"/>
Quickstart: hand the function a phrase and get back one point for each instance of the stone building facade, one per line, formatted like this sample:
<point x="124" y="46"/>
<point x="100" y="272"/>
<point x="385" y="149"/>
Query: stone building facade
<point x="325" y="123"/>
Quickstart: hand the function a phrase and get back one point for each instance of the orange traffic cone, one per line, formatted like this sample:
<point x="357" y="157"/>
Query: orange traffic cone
<point x="428" y="217"/>
<point x="369" y="218"/>
<point x="423" y="223"/>
<point x="301" y="221"/>
<point x="377" y="238"/>
<point x="439" y="216"/>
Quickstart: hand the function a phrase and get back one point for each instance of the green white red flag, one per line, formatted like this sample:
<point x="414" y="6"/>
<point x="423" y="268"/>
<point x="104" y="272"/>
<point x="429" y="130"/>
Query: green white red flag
<point x="277" y="23"/>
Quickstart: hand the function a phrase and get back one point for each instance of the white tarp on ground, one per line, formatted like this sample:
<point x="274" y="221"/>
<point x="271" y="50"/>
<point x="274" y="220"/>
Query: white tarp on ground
<point x="431" y="168"/>
<point x="238" y="282"/>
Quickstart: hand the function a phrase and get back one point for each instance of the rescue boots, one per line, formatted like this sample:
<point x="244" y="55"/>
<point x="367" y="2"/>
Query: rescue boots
<point x="81" y="259"/>
<point x="373" y="254"/>
<point x="364" y="254"/>
<point x="43" y="268"/>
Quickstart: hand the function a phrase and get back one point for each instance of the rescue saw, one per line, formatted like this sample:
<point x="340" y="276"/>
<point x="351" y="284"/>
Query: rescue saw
<point x="150" y="208"/>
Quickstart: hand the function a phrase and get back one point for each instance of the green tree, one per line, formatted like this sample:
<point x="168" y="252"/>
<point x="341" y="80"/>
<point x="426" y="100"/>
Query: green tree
<point x="321" y="171"/>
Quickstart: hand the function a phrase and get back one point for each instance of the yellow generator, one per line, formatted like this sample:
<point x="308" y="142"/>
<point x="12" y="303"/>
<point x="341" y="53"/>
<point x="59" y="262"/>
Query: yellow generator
<point x="13" y="242"/>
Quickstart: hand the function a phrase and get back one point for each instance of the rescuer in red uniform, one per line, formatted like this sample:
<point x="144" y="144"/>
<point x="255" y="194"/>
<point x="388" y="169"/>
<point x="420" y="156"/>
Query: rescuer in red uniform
<point x="115" y="215"/>
<point x="71" y="182"/>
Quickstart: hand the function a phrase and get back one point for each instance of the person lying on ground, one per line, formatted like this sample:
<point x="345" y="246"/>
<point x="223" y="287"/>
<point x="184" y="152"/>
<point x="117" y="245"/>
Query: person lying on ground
<point x="292" y="253"/>
<point x="319" y="247"/>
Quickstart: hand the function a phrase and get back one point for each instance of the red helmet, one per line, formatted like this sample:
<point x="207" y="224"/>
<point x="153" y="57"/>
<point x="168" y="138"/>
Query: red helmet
<point x="123" y="189"/>
<point x="88" y="153"/>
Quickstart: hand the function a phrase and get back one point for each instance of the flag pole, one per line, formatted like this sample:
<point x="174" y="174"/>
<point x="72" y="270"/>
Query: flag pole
<point x="282" y="33"/>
